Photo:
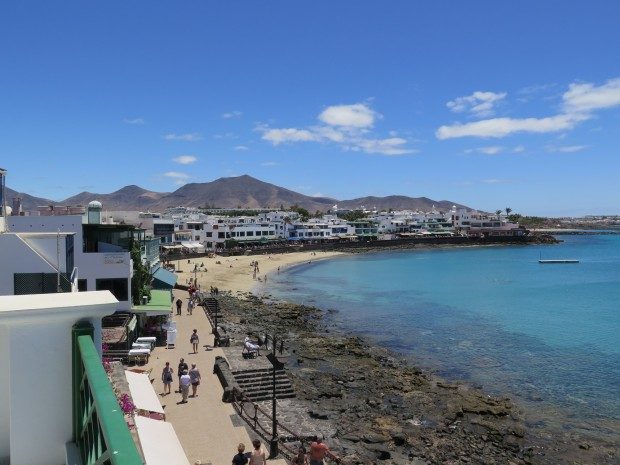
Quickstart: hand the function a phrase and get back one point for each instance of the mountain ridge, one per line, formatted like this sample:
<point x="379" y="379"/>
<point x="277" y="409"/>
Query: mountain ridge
<point x="230" y="192"/>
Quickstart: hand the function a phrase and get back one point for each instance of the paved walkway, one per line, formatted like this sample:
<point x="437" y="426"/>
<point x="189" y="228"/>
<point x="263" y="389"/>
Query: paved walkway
<point x="204" y="424"/>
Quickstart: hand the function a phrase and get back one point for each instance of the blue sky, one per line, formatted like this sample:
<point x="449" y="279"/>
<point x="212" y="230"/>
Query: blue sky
<point x="490" y="104"/>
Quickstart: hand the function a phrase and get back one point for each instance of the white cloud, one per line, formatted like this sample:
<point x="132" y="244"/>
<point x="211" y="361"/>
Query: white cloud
<point x="491" y="150"/>
<point x="176" y="175"/>
<point x="191" y="137"/>
<point x="270" y="163"/>
<point x="279" y="136"/>
<point x="587" y="97"/>
<point x="179" y="178"/>
<point x="567" y="148"/>
<point x="348" y="126"/>
<point x="496" y="181"/>
<point x="518" y="149"/>
<point x="579" y="103"/>
<point x="232" y="114"/>
<point x="357" y="115"/>
<point x="501" y="127"/>
<point x="133" y="121"/>
<point x="240" y="147"/>
<point x="185" y="159"/>
<point x="389" y="146"/>
<point x="479" y="103"/>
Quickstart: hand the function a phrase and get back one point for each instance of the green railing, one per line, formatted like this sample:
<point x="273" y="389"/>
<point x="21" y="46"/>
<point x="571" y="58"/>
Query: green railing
<point x="99" y="429"/>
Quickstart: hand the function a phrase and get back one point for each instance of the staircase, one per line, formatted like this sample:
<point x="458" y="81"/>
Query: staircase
<point x="257" y="384"/>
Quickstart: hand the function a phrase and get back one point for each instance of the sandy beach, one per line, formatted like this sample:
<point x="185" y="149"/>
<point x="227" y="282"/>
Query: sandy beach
<point x="236" y="274"/>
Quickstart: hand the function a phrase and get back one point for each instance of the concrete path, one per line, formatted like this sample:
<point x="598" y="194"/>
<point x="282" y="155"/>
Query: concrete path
<point x="204" y="425"/>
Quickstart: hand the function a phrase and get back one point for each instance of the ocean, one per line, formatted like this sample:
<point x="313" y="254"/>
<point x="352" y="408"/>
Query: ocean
<point x="548" y="336"/>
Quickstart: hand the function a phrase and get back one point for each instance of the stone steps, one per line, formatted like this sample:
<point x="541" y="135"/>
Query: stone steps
<point x="257" y="384"/>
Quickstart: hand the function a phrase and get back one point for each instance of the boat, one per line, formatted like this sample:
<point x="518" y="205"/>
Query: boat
<point x="556" y="261"/>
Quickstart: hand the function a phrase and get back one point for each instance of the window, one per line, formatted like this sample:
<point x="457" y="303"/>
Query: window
<point x="39" y="283"/>
<point x="82" y="285"/>
<point x="242" y="234"/>
<point x="209" y="234"/>
<point x="220" y="235"/>
<point x="250" y="233"/>
<point x="117" y="286"/>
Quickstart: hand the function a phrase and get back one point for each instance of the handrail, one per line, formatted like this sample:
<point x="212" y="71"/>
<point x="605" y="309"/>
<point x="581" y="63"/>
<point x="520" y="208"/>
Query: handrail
<point x="253" y="421"/>
<point x="100" y="431"/>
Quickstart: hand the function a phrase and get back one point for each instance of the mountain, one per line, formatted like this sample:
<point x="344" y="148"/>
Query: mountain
<point x="29" y="202"/>
<point x="128" y="198"/>
<point x="397" y="202"/>
<point x="241" y="191"/>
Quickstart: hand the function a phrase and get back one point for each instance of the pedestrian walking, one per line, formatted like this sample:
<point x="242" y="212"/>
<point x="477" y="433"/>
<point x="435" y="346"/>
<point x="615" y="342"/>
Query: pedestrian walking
<point x="181" y="368"/>
<point x="258" y="455"/>
<point x="194" y="377"/>
<point x="193" y="339"/>
<point x="240" y="458"/>
<point x="185" y="382"/>
<point x="179" y="303"/>
<point x="190" y="306"/>
<point x="166" y="377"/>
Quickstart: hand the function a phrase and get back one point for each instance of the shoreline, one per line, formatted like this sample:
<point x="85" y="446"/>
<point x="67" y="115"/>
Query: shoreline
<point x="376" y="404"/>
<point x="320" y="347"/>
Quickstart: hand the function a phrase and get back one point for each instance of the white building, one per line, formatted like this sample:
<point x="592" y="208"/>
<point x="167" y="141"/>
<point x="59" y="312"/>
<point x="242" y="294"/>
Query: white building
<point x="101" y="252"/>
<point x="474" y="223"/>
<point x="36" y="391"/>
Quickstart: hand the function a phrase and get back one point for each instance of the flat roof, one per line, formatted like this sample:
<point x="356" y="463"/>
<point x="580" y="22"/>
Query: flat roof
<point x="161" y="302"/>
<point x="16" y="303"/>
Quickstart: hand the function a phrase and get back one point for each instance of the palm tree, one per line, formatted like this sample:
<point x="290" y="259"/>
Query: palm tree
<point x="508" y="210"/>
<point x="498" y="213"/>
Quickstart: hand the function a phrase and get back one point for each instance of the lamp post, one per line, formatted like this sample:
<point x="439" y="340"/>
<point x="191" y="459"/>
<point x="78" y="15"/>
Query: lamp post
<point x="277" y="364"/>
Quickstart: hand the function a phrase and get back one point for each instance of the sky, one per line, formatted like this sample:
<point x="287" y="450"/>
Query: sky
<point x="488" y="104"/>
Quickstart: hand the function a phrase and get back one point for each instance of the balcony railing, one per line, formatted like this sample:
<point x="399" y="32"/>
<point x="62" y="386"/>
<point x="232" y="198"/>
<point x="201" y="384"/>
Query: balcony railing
<point x="99" y="429"/>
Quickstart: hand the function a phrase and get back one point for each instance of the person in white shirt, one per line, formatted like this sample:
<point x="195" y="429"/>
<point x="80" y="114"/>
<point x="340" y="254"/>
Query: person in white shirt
<point x="185" y="382"/>
<point x="250" y="346"/>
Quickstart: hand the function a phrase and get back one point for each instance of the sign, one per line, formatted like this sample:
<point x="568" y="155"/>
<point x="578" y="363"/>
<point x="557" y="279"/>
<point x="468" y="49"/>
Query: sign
<point x="114" y="258"/>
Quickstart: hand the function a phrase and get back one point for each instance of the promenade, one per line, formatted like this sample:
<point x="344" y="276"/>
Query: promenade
<point x="204" y="424"/>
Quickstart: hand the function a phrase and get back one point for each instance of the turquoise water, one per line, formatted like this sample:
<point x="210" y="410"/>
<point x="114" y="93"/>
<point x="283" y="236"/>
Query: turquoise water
<point x="548" y="335"/>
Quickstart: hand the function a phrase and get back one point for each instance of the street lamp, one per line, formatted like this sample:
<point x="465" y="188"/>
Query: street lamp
<point x="278" y="363"/>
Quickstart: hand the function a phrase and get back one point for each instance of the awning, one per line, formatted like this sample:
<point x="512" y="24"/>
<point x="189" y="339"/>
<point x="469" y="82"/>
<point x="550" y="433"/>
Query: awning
<point x="142" y="393"/>
<point x="171" y="247"/>
<point x="192" y="245"/>
<point x="160" y="444"/>
<point x="160" y="303"/>
<point x="164" y="279"/>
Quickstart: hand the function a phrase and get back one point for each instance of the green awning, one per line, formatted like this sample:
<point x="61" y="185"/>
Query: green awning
<point x="164" y="279"/>
<point x="160" y="303"/>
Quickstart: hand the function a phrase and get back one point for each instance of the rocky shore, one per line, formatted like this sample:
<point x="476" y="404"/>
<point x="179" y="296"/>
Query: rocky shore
<point x="377" y="408"/>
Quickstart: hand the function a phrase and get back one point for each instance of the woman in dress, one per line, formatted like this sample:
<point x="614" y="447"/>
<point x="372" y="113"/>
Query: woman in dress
<point x="194" y="340"/>
<point x="166" y="377"/>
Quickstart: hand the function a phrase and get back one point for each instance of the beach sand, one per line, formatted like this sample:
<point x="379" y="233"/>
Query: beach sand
<point x="236" y="274"/>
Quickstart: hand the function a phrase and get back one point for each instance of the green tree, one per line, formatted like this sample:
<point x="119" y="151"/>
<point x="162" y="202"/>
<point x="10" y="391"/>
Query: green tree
<point x="303" y="213"/>
<point x="498" y="213"/>
<point x="354" y="215"/>
<point x="141" y="280"/>
<point x="508" y="210"/>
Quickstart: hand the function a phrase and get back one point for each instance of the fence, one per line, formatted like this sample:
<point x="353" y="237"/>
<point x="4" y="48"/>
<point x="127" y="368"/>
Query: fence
<point x="99" y="429"/>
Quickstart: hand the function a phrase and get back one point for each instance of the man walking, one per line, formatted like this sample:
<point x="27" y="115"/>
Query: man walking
<point x="179" y="305"/>
<point x="184" y="381"/>
<point x="181" y="368"/>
